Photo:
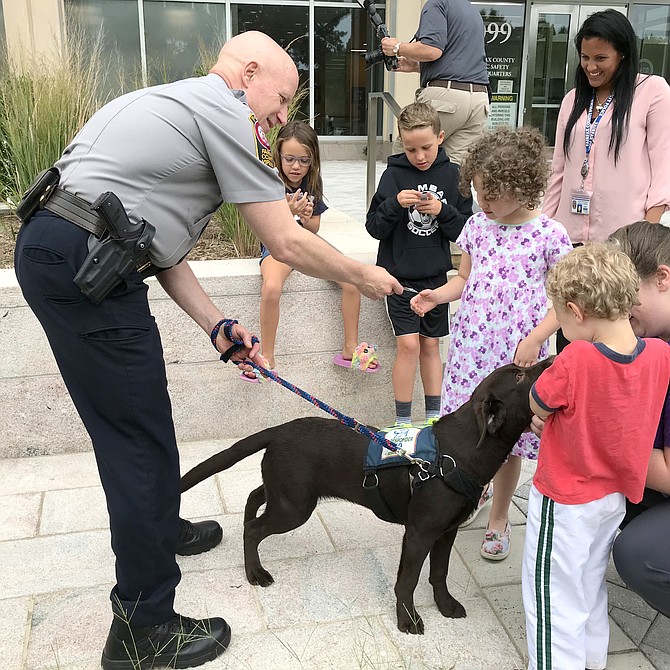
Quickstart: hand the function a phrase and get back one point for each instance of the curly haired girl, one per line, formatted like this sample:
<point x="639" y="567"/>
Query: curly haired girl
<point x="508" y="249"/>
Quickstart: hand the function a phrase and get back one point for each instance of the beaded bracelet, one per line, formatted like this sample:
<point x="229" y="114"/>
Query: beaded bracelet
<point x="227" y="325"/>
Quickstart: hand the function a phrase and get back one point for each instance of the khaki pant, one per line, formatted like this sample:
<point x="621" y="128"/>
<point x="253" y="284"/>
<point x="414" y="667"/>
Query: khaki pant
<point x="463" y="116"/>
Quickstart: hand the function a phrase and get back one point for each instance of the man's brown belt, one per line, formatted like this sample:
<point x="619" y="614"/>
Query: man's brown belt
<point x="459" y="85"/>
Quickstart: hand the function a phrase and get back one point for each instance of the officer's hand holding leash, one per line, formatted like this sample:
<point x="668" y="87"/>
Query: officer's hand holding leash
<point x="226" y="336"/>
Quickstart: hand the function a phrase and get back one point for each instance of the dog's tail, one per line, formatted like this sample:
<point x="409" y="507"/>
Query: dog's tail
<point x="226" y="458"/>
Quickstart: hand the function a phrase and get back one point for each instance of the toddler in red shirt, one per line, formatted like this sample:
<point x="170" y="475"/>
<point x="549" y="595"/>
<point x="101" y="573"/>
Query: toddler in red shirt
<point x="593" y="454"/>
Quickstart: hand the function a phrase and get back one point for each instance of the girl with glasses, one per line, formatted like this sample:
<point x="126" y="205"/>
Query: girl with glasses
<point x="296" y="155"/>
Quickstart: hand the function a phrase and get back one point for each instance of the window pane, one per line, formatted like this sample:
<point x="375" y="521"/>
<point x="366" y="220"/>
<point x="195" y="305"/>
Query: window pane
<point x="652" y="27"/>
<point x="288" y="26"/>
<point x="118" y="21"/>
<point x="503" y="26"/>
<point x="341" y="80"/>
<point x="182" y="38"/>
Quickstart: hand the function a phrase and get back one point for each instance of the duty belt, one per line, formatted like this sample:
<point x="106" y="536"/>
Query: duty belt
<point x="459" y="85"/>
<point x="75" y="210"/>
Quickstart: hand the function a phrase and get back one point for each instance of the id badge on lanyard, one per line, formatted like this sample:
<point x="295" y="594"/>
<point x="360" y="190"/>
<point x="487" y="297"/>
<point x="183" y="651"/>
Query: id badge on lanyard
<point x="580" y="199"/>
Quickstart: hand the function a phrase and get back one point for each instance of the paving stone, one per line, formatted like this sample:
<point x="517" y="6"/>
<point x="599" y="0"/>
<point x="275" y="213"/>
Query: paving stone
<point x="225" y="593"/>
<point x="612" y="576"/>
<point x="202" y="501"/>
<point x="658" y="635"/>
<point x="48" y="473"/>
<point x="329" y="588"/>
<point x="507" y="603"/>
<point x="630" y="602"/>
<point x="355" y="643"/>
<point x="659" y="659"/>
<point x="19" y="515"/>
<point x="635" y="627"/>
<point x="521" y="504"/>
<point x="491" y="573"/>
<point x="632" y="661"/>
<point x="14" y="614"/>
<point x="351" y="526"/>
<point x="236" y="485"/>
<point x="194" y="453"/>
<point x="620" y="641"/>
<point x="45" y="564"/>
<point x="477" y="642"/>
<point x="69" y="627"/>
<point x="74" y="510"/>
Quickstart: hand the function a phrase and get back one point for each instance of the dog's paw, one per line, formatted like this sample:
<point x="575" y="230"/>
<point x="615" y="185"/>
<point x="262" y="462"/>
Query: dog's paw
<point x="451" y="608"/>
<point x="259" y="577"/>
<point x="410" y="623"/>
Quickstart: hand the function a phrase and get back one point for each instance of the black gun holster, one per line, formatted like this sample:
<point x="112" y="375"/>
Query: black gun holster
<point x="121" y="249"/>
<point x="110" y="261"/>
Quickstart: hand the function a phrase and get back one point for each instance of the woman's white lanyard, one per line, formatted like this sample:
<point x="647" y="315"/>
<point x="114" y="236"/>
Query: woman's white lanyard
<point x="590" y="131"/>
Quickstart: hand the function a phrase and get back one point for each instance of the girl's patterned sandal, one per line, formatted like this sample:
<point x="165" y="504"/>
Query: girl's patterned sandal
<point x="496" y="545"/>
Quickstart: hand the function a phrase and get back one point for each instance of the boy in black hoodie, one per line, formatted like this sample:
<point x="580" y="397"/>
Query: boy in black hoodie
<point x="416" y="211"/>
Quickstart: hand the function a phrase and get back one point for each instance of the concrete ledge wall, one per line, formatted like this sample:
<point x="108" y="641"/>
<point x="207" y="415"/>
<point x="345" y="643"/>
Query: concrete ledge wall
<point x="209" y="400"/>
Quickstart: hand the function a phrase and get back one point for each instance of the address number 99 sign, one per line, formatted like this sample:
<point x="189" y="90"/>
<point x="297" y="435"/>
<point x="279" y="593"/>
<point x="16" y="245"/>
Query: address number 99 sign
<point x="498" y="32"/>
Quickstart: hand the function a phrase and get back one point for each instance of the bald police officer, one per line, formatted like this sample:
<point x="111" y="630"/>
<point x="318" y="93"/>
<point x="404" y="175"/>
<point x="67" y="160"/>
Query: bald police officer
<point x="171" y="154"/>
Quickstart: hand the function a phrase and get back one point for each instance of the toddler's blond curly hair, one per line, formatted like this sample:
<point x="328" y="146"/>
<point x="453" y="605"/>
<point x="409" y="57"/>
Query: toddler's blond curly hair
<point x="511" y="162"/>
<point x="597" y="277"/>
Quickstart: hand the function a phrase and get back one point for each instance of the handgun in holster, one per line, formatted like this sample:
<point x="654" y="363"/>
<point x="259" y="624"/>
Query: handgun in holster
<point x="119" y="251"/>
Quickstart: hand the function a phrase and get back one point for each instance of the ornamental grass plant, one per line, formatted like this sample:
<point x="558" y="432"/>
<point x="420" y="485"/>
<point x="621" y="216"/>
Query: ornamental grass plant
<point x="43" y="103"/>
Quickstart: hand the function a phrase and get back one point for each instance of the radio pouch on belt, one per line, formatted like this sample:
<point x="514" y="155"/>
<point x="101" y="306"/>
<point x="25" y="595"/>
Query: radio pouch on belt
<point x="120" y="250"/>
<point x="38" y="193"/>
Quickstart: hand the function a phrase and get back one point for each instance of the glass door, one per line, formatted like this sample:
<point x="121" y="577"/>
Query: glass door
<point x="552" y="59"/>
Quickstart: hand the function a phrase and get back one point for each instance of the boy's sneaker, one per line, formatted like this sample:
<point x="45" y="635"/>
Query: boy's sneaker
<point x="484" y="500"/>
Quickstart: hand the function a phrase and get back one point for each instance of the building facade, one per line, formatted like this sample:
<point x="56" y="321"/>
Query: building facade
<point x="530" y="54"/>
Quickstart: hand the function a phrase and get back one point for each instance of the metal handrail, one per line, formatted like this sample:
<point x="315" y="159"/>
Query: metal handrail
<point x="372" y="137"/>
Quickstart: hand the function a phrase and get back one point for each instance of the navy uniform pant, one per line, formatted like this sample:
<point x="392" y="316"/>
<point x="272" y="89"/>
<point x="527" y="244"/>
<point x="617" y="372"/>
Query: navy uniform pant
<point x="111" y="360"/>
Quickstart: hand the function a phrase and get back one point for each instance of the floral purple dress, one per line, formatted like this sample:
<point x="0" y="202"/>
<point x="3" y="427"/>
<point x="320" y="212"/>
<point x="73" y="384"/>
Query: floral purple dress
<point x="503" y="300"/>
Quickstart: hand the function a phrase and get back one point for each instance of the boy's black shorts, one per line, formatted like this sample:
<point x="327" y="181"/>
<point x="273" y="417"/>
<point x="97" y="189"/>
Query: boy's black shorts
<point x="406" y="322"/>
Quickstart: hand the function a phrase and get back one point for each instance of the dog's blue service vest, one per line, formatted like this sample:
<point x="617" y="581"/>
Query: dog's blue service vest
<point x="417" y="442"/>
<point x="420" y="443"/>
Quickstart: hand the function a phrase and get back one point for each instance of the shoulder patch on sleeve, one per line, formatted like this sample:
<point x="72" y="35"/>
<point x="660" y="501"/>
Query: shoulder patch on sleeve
<point x="263" y="149"/>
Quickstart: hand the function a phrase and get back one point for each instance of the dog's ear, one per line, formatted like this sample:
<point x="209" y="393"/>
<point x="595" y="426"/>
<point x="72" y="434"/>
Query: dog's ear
<point x="490" y="413"/>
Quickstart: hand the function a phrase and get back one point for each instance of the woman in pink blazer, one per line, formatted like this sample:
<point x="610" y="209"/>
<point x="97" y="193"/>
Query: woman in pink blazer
<point x="610" y="164"/>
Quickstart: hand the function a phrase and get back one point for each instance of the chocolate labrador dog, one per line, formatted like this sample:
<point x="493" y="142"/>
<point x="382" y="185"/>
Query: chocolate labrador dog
<point x="312" y="458"/>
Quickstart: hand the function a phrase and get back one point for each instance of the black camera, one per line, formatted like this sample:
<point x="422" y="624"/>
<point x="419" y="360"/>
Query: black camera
<point x="377" y="56"/>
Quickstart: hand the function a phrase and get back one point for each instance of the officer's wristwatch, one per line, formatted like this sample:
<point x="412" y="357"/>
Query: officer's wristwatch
<point x="396" y="49"/>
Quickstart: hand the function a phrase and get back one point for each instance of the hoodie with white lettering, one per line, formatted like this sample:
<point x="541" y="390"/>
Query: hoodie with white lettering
<point x="414" y="245"/>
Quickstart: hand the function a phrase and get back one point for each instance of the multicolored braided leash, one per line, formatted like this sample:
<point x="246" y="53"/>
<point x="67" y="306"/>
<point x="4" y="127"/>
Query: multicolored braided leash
<point x="227" y="326"/>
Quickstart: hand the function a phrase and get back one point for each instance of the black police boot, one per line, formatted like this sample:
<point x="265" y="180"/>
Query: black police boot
<point x="196" y="538"/>
<point x="181" y="642"/>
